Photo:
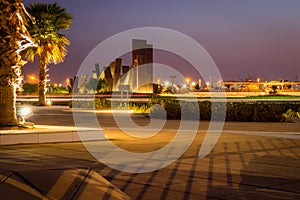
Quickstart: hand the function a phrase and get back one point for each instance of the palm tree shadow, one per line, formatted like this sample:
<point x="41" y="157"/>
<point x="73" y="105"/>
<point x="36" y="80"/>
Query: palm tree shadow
<point x="261" y="179"/>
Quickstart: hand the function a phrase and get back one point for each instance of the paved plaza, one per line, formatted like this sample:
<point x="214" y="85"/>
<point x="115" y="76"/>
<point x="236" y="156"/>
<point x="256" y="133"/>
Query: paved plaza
<point x="249" y="161"/>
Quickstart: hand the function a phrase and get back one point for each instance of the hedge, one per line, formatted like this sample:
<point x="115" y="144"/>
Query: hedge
<point x="171" y="108"/>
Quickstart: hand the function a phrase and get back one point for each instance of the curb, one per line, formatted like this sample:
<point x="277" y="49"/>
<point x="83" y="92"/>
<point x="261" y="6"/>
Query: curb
<point x="50" y="135"/>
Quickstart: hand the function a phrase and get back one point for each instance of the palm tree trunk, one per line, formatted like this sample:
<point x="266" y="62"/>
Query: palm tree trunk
<point x="42" y="82"/>
<point x="14" y="38"/>
<point x="7" y="104"/>
<point x="10" y="78"/>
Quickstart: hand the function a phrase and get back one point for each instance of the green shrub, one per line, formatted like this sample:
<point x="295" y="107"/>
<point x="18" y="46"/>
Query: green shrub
<point x="30" y="88"/>
<point x="289" y="115"/>
<point x="218" y="111"/>
<point x="139" y="107"/>
<point x="157" y="111"/>
<point x="171" y="108"/>
<point x="84" y="104"/>
<point x="205" y="110"/>
<point x="102" y="103"/>
<point x="237" y="111"/>
<point x="189" y="110"/>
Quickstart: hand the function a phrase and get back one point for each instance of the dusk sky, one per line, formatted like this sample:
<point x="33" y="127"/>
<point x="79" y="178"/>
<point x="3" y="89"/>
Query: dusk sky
<point x="245" y="38"/>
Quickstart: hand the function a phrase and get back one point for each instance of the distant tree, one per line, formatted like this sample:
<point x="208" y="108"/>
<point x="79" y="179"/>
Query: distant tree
<point x="157" y="88"/>
<point x="14" y="39"/>
<point x="90" y="85"/>
<point x="52" y="45"/>
<point x="30" y="88"/>
<point x="96" y="85"/>
<point x="102" y="86"/>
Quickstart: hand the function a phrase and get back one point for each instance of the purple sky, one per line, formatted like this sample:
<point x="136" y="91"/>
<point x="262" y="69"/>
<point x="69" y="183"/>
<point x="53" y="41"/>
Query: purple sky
<point x="245" y="38"/>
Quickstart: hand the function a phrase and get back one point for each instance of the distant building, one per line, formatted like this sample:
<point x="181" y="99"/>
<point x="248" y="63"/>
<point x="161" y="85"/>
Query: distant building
<point x="139" y="76"/>
<point x="142" y="65"/>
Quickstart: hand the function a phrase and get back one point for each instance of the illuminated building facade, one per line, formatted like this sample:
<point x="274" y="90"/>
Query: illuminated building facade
<point x="142" y="66"/>
<point x="139" y="76"/>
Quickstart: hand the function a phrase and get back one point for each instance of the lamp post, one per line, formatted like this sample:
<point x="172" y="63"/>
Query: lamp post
<point x="200" y="83"/>
<point x="172" y="80"/>
<point x="188" y="80"/>
<point x="193" y="85"/>
<point x="68" y="81"/>
<point x="136" y="64"/>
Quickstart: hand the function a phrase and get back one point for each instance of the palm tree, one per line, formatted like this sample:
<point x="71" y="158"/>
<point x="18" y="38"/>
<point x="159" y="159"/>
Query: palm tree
<point x="14" y="38"/>
<point x="52" y="45"/>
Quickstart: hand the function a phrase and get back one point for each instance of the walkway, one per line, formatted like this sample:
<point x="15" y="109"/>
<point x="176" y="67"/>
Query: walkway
<point x="241" y="166"/>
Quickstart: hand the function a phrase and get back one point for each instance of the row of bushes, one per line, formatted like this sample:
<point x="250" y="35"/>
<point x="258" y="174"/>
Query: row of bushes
<point x="175" y="109"/>
<point x="237" y="111"/>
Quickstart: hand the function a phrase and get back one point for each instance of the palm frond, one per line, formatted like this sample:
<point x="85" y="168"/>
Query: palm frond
<point x="49" y="20"/>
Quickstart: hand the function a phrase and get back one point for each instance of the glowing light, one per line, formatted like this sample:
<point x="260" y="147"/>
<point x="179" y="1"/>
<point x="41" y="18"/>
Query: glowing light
<point x="32" y="78"/>
<point x="48" y="103"/>
<point x="200" y="82"/>
<point x="24" y="112"/>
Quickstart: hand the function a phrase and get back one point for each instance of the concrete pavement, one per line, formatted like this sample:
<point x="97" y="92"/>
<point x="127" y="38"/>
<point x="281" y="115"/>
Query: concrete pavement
<point x="241" y="166"/>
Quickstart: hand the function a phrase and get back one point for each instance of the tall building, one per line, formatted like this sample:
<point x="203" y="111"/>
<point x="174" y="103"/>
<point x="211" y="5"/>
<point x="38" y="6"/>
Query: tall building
<point x="139" y="76"/>
<point x="142" y="66"/>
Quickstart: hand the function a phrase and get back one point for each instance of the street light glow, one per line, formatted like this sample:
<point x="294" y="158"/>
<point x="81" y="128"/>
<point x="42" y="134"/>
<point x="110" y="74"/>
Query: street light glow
<point x="187" y="80"/>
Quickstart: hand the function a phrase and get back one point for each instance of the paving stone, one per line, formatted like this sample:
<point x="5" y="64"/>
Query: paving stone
<point x="292" y="186"/>
<point x="239" y="167"/>
<point x="96" y="187"/>
<point x="260" y="193"/>
<point x="57" y="184"/>
<point x="15" y="187"/>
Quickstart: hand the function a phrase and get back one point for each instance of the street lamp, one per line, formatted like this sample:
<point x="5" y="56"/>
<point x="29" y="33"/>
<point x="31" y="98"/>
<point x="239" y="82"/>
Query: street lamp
<point x="208" y="85"/>
<point x="200" y="82"/>
<point x="193" y="84"/>
<point x="68" y="81"/>
<point x="172" y="80"/>
<point x="32" y="78"/>
<point x="187" y="80"/>
<point x="136" y="65"/>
